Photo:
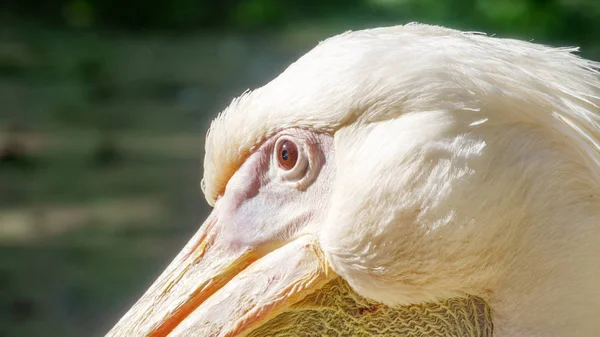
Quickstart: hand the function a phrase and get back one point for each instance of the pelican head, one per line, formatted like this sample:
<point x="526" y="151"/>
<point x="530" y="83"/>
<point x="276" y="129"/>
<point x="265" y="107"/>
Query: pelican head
<point x="411" y="165"/>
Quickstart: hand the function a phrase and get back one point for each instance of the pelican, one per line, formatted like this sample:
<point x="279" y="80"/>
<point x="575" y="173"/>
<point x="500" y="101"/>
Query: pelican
<point x="404" y="181"/>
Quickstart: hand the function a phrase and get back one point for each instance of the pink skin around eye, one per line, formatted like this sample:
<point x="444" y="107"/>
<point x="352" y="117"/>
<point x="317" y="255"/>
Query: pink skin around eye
<point x="258" y="207"/>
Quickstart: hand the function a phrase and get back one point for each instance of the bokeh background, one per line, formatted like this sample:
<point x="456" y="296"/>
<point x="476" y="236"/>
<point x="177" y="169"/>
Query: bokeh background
<point x="103" y="109"/>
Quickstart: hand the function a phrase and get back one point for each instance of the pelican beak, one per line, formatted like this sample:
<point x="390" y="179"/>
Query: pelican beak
<point x="217" y="288"/>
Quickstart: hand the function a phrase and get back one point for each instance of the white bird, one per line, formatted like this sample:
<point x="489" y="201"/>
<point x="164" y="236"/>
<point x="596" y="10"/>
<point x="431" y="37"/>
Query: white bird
<point x="418" y="164"/>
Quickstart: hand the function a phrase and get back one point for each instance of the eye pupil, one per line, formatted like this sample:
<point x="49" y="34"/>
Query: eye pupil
<point x="287" y="155"/>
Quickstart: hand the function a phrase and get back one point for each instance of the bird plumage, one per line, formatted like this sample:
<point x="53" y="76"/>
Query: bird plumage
<point x="465" y="164"/>
<point x="451" y="176"/>
<point x="382" y="73"/>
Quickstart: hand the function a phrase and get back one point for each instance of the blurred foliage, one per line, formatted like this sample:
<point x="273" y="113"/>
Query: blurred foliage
<point x="559" y="19"/>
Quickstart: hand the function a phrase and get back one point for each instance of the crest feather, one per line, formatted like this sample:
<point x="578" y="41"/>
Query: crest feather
<point x="378" y="74"/>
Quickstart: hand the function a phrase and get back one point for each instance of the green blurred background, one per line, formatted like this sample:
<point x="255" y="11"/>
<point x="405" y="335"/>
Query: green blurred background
<point x="103" y="109"/>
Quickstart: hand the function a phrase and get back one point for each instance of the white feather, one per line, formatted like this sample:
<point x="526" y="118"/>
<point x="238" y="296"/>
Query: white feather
<point x="465" y="164"/>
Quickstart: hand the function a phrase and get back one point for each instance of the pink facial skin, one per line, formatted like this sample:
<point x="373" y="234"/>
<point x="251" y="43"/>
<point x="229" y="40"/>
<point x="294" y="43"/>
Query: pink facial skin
<point x="257" y="249"/>
<point x="265" y="205"/>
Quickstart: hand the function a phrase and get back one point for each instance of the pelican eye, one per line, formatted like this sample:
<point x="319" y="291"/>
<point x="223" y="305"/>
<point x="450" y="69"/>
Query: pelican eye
<point x="287" y="155"/>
